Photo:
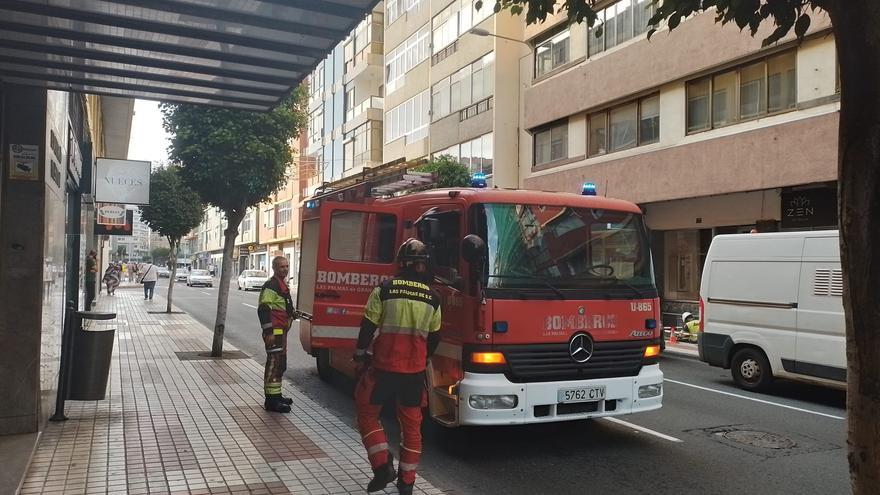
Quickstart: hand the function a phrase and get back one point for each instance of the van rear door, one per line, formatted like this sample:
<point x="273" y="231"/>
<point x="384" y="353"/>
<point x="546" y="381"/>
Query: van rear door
<point x="821" y="339"/>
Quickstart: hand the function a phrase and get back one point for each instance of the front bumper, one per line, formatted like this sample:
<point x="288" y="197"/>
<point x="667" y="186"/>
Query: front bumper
<point x="537" y="401"/>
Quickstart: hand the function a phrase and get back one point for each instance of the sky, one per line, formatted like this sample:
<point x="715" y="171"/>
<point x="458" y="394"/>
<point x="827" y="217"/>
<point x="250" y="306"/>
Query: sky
<point x="149" y="141"/>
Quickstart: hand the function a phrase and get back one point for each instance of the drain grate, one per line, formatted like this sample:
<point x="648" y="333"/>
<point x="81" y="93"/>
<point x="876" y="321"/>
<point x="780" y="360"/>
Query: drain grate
<point x="762" y="443"/>
<point x="206" y="356"/>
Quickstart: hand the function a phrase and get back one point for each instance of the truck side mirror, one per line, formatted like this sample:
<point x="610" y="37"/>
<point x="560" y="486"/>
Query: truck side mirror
<point x="473" y="248"/>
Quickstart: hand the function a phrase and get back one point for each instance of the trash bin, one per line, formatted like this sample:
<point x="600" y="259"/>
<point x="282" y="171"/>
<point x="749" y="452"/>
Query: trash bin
<point x="92" y="355"/>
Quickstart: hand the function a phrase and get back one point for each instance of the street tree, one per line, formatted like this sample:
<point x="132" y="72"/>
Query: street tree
<point x="174" y="210"/>
<point x="450" y="172"/>
<point x="856" y="26"/>
<point x="160" y="254"/>
<point x="234" y="159"/>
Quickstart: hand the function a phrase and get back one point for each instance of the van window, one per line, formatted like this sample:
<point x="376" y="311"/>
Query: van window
<point x="362" y="236"/>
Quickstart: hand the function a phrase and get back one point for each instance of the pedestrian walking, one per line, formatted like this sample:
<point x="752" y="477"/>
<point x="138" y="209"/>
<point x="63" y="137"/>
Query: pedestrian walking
<point x="111" y="278"/>
<point x="148" y="277"/>
<point x="91" y="278"/>
<point x="276" y="314"/>
<point x="406" y="312"/>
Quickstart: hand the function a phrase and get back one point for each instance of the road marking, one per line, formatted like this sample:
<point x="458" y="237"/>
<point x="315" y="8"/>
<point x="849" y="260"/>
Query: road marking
<point x="250" y="305"/>
<point x="208" y="293"/>
<point x="754" y="399"/>
<point x="643" y="429"/>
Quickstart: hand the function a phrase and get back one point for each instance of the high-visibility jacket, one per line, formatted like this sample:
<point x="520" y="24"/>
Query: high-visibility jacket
<point x="275" y="308"/>
<point x="405" y="312"/>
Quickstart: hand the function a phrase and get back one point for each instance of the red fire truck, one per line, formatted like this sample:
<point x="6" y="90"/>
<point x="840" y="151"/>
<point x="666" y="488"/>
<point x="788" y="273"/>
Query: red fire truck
<point x="549" y="304"/>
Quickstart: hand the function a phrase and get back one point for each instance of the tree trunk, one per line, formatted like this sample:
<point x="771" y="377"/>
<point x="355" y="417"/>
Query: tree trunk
<point x="175" y="246"/>
<point x="229" y="236"/>
<point x="857" y="33"/>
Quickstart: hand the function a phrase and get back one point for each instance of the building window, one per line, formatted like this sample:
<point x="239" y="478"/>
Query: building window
<point x="619" y="23"/>
<point x="551" y="143"/>
<point x="477" y="154"/>
<point x="316" y="126"/>
<point x="553" y="53"/>
<point x="396" y="8"/>
<point x="634" y="124"/>
<point x="283" y="213"/>
<point x="409" y="119"/>
<point x="269" y="217"/>
<point x="455" y="20"/>
<point x="360" y="143"/>
<point x="247" y="222"/>
<point x="316" y="86"/>
<point x="469" y="85"/>
<point x="760" y="88"/>
<point x="361" y="236"/>
<point x="405" y="57"/>
<point x="349" y="104"/>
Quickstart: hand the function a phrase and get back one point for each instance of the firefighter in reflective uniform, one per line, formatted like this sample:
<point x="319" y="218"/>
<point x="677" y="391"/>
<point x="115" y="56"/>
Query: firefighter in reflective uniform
<point x="276" y="314"/>
<point x="406" y="313"/>
<point x="691" y="326"/>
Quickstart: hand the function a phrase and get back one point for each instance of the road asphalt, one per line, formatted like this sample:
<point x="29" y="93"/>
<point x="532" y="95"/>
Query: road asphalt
<point x="710" y="437"/>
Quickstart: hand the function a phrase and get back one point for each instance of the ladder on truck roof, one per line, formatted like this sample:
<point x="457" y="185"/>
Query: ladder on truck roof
<point x="391" y="179"/>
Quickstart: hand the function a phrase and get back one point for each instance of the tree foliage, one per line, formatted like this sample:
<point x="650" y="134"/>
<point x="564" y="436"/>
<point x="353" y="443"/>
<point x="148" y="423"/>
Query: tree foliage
<point x="235" y="158"/>
<point x="160" y="253"/>
<point x="174" y="208"/>
<point x="450" y="172"/>
<point x="747" y="14"/>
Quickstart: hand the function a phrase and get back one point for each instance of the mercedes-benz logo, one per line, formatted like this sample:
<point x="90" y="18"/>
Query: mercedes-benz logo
<point x="580" y="347"/>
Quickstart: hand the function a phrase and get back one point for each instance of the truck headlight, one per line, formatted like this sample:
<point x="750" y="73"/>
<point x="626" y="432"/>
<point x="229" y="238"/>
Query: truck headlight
<point x="493" y="401"/>
<point x="647" y="391"/>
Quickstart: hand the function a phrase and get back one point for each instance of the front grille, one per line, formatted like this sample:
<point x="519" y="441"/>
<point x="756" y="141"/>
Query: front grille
<point x="551" y="362"/>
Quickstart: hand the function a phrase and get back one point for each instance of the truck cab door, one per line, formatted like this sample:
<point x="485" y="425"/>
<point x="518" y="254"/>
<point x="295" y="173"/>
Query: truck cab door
<point x="442" y="228"/>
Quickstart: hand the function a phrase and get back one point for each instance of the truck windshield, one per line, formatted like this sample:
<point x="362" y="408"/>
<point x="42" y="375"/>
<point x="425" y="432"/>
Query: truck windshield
<point x="535" y="246"/>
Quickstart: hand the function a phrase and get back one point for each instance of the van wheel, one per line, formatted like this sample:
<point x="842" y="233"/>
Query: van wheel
<point x="751" y="369"/>
<point x="322" y="358"/>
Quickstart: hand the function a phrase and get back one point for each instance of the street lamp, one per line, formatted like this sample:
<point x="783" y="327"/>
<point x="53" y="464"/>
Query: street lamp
<point x="482" y="32"/>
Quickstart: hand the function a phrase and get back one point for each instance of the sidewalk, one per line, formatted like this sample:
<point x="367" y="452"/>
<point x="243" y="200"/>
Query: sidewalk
<point x="176" y="423"/>
<point x="685" y="349"/>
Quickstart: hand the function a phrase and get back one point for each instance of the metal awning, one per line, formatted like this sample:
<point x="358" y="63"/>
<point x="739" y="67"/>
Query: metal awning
<point x="234" y="53"/>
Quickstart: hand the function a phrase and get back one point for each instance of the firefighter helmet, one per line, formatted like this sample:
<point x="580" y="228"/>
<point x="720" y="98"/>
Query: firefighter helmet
<point x="686" y="316"/>
<point x="412" y="251"/>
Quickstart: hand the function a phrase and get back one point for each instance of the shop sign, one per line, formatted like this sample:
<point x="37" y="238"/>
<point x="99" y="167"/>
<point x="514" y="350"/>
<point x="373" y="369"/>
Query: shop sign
<point x="110" y="214"/>
<point x="809" y="208"/>
<point x="23" y="159"/>
<point x="243" y="250"/>
<point x="123" y="228"/>
<point x="122" y="181"/>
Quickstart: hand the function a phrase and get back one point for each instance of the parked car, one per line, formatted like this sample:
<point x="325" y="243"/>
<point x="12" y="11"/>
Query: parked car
<point x="771" y="306"/>
<point x="252" y="279"/>
<point x="182" y="275"/>
<point x="163" y="272"/>
<point x="200" y="277"/>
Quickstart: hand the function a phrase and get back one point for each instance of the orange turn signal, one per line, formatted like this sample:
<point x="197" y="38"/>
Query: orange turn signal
<point x="488" y="358"/>
<point x="652" y="350"/>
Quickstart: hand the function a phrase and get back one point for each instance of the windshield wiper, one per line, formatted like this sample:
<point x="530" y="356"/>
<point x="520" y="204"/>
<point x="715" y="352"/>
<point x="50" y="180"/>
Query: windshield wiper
<point x="537" y="279"/>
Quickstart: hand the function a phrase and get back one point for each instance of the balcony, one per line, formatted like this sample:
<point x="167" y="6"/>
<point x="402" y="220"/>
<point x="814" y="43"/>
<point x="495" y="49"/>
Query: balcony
<point x="371" y="55"/>
<point x="372" y="107"/>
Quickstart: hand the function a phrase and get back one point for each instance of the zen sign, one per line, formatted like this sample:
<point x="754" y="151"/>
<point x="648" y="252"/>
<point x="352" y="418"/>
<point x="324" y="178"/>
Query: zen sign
<point x="122" y="181"/>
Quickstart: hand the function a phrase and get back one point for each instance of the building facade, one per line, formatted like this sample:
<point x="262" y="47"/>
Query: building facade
<point x="709" y="138"/>
<point x="345" y="103"/>
<point x="443" y="94"/>
<point x="49" y="141"/>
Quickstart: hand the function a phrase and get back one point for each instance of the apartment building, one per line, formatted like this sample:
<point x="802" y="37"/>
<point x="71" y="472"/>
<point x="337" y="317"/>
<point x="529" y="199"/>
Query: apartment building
<point x="345" y="103"/>
<point x="708" y="137"/>
<point x="443" y="94"/>
<point x="210" y="239"/>
<point x="280" y="216"/>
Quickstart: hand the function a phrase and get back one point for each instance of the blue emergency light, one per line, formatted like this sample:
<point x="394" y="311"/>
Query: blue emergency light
<point x="589" y="189"/>
<point x="312" y="203"/>
<point x="478" y="180"/>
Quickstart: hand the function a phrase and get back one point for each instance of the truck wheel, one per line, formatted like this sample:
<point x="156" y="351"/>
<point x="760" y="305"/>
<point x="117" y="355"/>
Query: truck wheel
<point x="322" y="358"/>
<point x="751" y="369"/>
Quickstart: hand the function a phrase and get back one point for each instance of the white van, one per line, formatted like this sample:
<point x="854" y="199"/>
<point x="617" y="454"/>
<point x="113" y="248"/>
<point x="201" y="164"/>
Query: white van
<point x="772" y="306"/>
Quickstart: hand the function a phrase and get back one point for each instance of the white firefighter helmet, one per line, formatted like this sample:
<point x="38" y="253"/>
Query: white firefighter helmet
<point x="685" y="316"/>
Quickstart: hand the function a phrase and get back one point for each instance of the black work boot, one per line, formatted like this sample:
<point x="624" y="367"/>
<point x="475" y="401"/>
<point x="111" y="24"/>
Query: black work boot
<point x="274" y="404"/>
<point x="287" y="401"/>
<point x="404" y="488"/>
<point x="382" y="476"/>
